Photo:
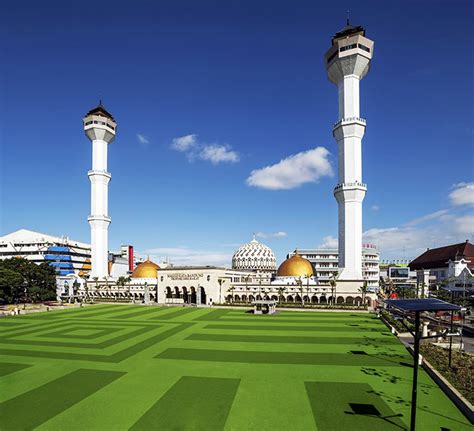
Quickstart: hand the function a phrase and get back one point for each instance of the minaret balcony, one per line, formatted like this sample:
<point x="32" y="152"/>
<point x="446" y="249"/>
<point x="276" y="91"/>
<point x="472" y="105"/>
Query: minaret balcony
<point x="349" y="120"/>
<point x="97" y="217"/>
<point x="347" y="186"/>
<point x="98" y="172"/>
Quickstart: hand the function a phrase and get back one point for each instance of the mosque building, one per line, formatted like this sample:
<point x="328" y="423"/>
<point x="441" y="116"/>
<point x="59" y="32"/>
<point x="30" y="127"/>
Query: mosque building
<point x="254" y="274"/>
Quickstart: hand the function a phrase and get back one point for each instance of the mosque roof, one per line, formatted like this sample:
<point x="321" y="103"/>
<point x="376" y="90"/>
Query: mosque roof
<point x="349" y="30"/>
<point x="254" y="256"/>
<point x="295" y="266"/>
<point x="147" y="269"/>
<point x="100" y="110"/>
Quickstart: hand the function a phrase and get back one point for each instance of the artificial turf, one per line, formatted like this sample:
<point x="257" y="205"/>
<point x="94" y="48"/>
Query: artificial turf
<point x="118" y="367"/>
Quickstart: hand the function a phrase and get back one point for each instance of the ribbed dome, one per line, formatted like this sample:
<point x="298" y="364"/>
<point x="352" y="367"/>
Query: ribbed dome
<point x="296" y="266"/>
<point x="254" y="256"/>
<point x="147" y="269"/>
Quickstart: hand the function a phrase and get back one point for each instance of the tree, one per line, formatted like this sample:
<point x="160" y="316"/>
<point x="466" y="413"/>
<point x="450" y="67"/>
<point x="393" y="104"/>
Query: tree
<point x="300" y="284"/>
<point x="96" y="281"/>
<point x="247" y="278"/>
<point x="107" y="287"/>
<point x="389" y="287"/>
<point x="10" y="285"/>
<point x="121" y="282"/>
<point x="281" y="291"/>
<point x="363" y="290"/>
<point x="75" y="288"/>
<point x="38" y="281"/>
<point x="333" y="283"/>
<point x="129" y="288"/>
<point x="231" y="290"/>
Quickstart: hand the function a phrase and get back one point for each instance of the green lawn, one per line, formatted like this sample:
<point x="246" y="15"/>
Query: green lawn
<point x="118" y="367"/>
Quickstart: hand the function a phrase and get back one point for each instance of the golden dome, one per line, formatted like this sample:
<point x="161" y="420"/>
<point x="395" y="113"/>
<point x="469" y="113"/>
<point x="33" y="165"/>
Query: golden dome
<point x="147" y="269"/>
<point x="295" y="266"/>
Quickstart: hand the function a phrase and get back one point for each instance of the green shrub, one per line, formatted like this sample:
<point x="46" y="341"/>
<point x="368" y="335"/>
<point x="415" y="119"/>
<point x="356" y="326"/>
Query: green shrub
<point x="460" y="375"/>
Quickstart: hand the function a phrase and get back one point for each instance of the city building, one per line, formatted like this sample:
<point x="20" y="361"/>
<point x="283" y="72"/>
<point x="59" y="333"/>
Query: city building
<point x="347" y="63"/>
<point x="395" y="274"/>
<point x="450" y="267"/>
<point x="64" y="254"/>
<point x="326" y="264"/>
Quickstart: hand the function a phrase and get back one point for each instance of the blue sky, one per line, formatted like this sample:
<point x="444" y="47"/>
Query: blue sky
<point x="205" y="93"/>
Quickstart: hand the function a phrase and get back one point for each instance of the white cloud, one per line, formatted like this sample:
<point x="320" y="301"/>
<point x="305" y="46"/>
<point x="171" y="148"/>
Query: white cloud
<point x="279" y="234"/>
<point x="465" y="225"/>
<point x="294" y="171"/>
<point x="374" y="207"/>
<point x="184" y="143"/>
<point x="329" y="242"/>
<point x="142" y="139"/>
<point x="218" y="153"/>
<point x="463" y="194"/>
<point x="214" y="153"/>
<point x="188" y="256"/>
<point x="441" y="214"/>
<point x="413" y="238"/>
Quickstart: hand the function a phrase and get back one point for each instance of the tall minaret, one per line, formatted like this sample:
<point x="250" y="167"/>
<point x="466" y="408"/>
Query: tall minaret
<point x="100" y="128"/>
<point x="347" y="62"/>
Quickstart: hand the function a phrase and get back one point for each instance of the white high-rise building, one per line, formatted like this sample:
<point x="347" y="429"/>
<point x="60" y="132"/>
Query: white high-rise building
<point x="347" y="62"/>
<point x="99" y="126"/>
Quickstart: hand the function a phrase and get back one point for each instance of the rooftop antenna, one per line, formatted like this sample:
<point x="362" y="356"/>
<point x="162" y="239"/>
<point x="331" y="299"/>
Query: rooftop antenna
<point x="347" y="19"/>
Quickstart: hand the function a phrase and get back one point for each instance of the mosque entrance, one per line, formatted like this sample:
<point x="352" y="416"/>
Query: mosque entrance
<point x="185" y="295"/>
<point x="203" y="295"/>
<point x="193" y="295"/>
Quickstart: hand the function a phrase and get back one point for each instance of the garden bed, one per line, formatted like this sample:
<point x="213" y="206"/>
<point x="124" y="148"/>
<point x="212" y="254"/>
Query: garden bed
<point x="460" y="375"/>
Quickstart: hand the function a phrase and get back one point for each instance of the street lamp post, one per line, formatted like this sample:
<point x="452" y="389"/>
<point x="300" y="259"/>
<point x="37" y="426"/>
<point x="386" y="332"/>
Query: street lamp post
<point x="220" y="281"/>
<point x="25" y="285"/>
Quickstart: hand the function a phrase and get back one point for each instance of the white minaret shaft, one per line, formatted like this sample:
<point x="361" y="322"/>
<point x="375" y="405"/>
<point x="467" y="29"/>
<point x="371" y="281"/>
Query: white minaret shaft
<point x="100" y="128"/>
<point x="347" y="62"/>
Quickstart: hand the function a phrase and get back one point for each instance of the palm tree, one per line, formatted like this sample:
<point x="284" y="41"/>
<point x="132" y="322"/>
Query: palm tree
<point x="75" y="289"/>
<point x="247" y="278"/>
<point x="86" y="292"/>
<point x="281" y="291"/>
<point x="299" y="281"/>
<point x="308" y="276"/>
<point x="231" y="290"/>
<point x="121" y="282"/>
<point x="107" y="286"/>
<point x="363" y="289"/>
<point x="96" y="281"/>
<point x="333" y="283"/>
<point x="127" y="281"/>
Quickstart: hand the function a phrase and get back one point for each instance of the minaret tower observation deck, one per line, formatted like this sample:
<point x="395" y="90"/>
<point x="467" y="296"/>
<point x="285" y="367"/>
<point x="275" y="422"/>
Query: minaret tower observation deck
<point x="100" y="127"/>
<point x="347" y="62"/>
